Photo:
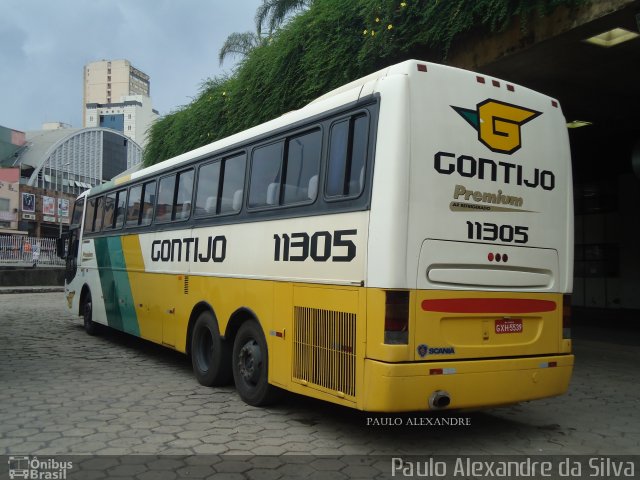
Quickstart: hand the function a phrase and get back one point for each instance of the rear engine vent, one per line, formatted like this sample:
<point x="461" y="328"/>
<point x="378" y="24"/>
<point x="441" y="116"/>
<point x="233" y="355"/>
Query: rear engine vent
<point x="186" y="284"/>
<point x="324" y="344"/>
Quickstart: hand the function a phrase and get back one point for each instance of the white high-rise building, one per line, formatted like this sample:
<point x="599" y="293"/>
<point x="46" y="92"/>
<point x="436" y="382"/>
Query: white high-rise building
<point x="117" y="96"/>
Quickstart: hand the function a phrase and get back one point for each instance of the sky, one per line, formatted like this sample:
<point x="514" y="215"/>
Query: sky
<point x="45" y="44"/>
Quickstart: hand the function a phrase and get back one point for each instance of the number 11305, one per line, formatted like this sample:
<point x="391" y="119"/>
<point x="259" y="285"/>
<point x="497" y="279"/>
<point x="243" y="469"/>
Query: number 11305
<point x="492" y="232"/>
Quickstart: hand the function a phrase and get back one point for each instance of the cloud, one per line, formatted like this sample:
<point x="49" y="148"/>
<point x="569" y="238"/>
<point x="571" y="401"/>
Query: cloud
<point x="44" y="46"/>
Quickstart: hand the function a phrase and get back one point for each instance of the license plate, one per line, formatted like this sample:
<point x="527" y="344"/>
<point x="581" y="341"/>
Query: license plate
<point x="509" y="325"/>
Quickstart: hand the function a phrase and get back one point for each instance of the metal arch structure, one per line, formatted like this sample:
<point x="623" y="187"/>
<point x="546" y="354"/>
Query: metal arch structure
<point x="74" y="163"/>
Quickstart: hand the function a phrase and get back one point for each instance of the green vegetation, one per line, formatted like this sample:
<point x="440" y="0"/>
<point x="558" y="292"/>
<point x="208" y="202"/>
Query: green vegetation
<point x="326" y="45"/>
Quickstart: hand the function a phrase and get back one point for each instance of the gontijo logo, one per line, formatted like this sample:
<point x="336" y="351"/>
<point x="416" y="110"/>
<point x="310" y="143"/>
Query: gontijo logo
<point x="498" y="123"/>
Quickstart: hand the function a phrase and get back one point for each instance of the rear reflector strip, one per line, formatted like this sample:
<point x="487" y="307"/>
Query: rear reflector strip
<point x="422" y="67"/>
<point x="442" y="371"/>
<point x="480" y="79"/>
<point x="488" y="305"/>
<point x="548" y="364"/>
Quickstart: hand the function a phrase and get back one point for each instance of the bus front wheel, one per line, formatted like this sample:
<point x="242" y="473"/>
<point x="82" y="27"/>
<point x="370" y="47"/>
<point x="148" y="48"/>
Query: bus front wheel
<point x="87" y="316"/>
<point x="250" y="366"/>
<point x="210" y="355"/>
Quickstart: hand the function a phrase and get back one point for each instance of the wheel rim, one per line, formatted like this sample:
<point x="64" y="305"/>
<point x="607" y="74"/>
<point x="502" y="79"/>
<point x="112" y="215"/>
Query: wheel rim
<point x="250" y="362"/>
<point x="204" y="352"/>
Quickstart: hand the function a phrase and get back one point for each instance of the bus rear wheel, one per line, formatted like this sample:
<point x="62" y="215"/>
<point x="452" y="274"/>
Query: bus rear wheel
<point x="87" y="316"/>
<point x="250" y="366"/>
<point x="210" y="355"/>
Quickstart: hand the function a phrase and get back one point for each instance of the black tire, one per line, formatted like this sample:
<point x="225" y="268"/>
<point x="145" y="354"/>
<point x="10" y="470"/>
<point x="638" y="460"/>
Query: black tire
<point x="250" y="366"/>
<point x="210" y="355"/>
<point x="90" y="326"/>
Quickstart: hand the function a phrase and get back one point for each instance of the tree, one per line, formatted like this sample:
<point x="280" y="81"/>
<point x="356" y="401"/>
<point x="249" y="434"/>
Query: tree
<point x="271" y="12"/>
<point x="239" y="44"/>
<point x="274" y="12"/>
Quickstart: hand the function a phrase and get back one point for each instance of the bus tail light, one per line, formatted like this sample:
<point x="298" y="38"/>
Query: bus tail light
<point x="396" y="318"/>
<point x="566" y="316"/>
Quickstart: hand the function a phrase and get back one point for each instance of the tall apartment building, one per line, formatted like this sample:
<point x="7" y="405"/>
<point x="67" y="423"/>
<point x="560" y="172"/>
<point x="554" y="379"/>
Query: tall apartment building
<point x="117" y="96"/>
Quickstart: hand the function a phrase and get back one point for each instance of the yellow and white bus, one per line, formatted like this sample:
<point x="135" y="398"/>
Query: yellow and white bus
<point x="403" y="243"/>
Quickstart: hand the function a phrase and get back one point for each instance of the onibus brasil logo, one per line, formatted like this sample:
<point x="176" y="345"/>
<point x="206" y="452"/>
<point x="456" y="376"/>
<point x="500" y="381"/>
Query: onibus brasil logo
<point x="498" y="124"/>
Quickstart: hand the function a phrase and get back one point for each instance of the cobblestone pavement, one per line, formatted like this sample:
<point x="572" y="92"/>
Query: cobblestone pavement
<point x="64" y="392"/>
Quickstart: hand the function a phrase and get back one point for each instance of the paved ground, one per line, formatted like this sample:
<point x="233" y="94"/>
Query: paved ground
<point x="64" y="392"/>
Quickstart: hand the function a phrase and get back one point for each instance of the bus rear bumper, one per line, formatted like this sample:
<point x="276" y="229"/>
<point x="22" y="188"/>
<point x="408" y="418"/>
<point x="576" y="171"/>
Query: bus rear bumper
<point x="407" y="387"/>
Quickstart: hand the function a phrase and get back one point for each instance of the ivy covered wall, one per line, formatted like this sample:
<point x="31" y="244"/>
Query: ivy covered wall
<point x="331" y="43"/>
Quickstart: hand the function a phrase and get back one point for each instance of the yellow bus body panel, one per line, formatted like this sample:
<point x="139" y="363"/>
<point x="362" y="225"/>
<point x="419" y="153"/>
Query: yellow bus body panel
<point x="475" y="384"/>
<point x="327" y="341"/>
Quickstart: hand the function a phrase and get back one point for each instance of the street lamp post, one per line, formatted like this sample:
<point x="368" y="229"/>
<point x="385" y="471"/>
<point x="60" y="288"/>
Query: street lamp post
<point x="68" y="191"/>
<point x="68" y="175"/>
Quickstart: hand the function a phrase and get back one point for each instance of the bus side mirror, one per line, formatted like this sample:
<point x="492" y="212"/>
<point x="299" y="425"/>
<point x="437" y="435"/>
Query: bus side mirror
<point x="60" y="247"/>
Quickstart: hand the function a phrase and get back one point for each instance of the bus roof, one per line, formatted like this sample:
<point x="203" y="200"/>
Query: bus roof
<point x="345" y="94"/>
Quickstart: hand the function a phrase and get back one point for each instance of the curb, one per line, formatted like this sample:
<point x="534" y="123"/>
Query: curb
<point x="30" y="289"/>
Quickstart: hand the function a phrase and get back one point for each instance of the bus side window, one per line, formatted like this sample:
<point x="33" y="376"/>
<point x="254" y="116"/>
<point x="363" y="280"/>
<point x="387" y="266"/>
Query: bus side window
<point x="148" y="200"/>
<point x="133" y="208"/>
<point x="183" y="197"/>
<point x="233" y="184"/>
<point x="109" y="210"/>
<point x="266" y="168"/>
<point x="347" y="157"/>
<point x="121" y="207"/>
<point x="90" y="215"/>
<point x="97" y="226"/>
<point x="302" y="165"/>
<point x="77" y="212"/>
<point x="207" y="190"/>
<point x="165" y="198"/>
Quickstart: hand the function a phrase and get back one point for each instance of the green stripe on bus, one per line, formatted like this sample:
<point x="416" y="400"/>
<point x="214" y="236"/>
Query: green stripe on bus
<point x="116" y="289"/>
